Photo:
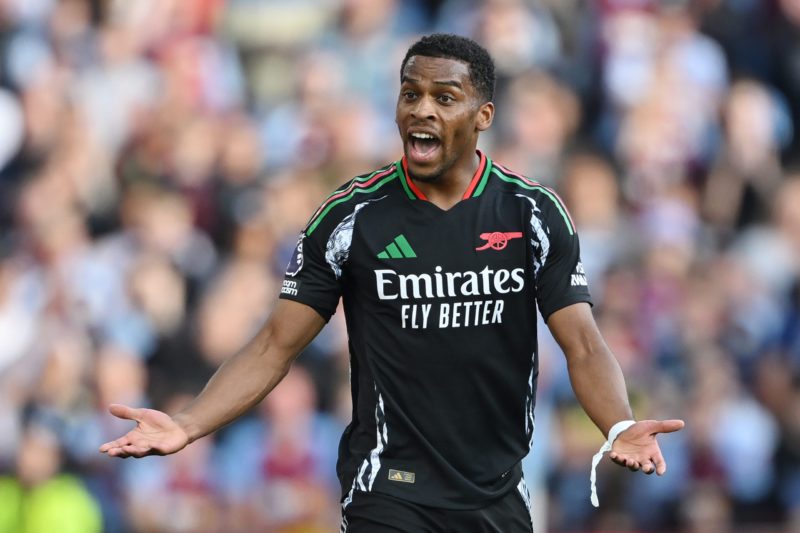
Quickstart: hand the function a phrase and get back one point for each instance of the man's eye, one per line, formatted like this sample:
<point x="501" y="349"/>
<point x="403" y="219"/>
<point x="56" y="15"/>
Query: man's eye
<point x="409" y="95"/>
<point x="446" y="98"/>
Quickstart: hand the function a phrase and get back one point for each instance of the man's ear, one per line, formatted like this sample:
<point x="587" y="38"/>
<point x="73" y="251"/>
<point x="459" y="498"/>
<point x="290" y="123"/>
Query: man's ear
<point x="485" y="116"/>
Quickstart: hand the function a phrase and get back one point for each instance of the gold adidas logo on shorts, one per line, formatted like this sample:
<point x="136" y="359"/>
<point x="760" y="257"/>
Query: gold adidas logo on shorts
<point x="399" y="475"/>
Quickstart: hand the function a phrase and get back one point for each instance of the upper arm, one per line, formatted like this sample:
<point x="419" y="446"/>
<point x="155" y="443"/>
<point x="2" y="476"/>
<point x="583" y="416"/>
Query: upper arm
<point x="290" y="328"/>
<point x="575" y="330"/>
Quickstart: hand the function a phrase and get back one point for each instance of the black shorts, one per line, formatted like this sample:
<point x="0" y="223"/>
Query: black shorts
<point x="371" y="512"/>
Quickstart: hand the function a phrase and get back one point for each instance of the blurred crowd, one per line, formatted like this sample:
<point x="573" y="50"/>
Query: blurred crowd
<point x="159" y="157"/>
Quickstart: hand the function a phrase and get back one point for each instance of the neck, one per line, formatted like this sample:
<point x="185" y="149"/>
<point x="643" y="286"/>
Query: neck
<point x="448" y="189"/>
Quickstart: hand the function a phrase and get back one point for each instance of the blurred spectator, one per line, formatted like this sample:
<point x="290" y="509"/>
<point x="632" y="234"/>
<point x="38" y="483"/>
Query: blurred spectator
<point x="175" y="493"/>
<point x="542" y="116"/>
<point x="41" y="497"/>
<point x="744" y="178"/>
<point x="656" y="53"/>
<point x="784" y="48"/>
<point x="288" y="467"/>
<point x="518" y="34"/>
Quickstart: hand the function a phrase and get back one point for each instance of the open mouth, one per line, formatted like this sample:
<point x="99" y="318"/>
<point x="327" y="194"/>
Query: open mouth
<point x="422" y="146"/>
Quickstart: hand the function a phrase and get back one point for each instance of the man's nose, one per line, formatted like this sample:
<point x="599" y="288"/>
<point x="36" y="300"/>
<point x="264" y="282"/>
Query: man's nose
<point x="423" y="108"/>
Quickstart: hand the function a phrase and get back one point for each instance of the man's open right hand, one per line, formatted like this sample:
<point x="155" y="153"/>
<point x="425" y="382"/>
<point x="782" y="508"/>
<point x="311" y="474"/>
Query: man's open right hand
<point x="156" y="433"/>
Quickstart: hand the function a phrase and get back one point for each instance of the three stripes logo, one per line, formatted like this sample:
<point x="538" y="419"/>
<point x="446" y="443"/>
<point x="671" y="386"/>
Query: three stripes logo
<point x="398" y="249"/>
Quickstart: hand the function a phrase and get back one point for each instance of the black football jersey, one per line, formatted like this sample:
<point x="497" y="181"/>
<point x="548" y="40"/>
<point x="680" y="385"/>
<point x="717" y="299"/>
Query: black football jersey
<point x="440" y="308"/>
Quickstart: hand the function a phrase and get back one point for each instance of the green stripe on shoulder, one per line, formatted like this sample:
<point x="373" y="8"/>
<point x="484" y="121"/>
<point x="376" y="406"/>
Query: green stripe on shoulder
<point x="359" y="187"/>
<point x="484" y="179"/>
<point x="531" y="187"/>
<point x="343" y="190"/>
<point x="399" y="166"/>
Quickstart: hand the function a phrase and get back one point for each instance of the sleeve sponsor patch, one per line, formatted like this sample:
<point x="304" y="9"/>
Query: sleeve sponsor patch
<point x="579" y="277"/>
<point x="290" y="287"/>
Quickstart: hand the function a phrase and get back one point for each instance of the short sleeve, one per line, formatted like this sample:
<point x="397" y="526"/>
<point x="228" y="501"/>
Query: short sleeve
<point x="561" y="279"/>
<point x="309" y="279"/>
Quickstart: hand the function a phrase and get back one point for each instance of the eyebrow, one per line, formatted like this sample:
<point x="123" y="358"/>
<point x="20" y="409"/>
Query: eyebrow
<point x="450" y="83"/>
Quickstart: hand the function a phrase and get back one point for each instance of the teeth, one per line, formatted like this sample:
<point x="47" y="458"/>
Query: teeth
<point x="422" y="136"/>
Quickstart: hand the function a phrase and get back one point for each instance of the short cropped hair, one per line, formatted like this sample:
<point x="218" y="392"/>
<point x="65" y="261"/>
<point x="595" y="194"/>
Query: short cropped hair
<point x="449" y="46"/>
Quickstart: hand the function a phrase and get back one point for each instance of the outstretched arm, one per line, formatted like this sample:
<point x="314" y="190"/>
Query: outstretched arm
<point x="240" y="383"/>
<point x="600" y="388"/>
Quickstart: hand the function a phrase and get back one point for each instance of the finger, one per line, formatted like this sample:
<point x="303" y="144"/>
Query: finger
<point x="135" y="451"/>
<point x="648" y="468"/>
<point x="626" y="461"/>
<point x="614" y="456"/>
<point x="633" y="466"/>
<point x="620" y="462"/>
<point x="122" y="441"/>
<point x="668" y="426"/>
<point x="661" y="464"/>
<point x="117" y="452"/>
<point x="123" y="411"/>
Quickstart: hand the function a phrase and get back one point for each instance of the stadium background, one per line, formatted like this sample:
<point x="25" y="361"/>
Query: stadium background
<point x="158" y="157"/>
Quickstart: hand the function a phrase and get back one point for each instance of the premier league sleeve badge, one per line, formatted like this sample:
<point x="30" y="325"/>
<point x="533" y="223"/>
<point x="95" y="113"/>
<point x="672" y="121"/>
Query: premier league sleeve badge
<point x="296" y="262"/>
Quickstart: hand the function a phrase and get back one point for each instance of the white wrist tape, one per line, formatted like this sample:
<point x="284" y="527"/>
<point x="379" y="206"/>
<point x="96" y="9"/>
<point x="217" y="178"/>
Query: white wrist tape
<point x="616" y="429"/>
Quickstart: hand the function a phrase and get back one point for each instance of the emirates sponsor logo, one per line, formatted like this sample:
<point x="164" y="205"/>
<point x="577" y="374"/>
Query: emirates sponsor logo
<point x="440" y="284"/>
<point x="470" y="286"/>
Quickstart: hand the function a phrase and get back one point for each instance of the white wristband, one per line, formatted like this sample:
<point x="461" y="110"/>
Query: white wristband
<point x="616" y="429"/>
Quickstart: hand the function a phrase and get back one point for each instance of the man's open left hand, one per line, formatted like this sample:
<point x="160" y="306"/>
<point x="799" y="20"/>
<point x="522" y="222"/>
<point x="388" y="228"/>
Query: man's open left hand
<point x="636" y="447"/>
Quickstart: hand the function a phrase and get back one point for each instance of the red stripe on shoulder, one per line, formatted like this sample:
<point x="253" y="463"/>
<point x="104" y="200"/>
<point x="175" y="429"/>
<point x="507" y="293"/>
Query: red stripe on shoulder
<point x="350" y="188"/>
